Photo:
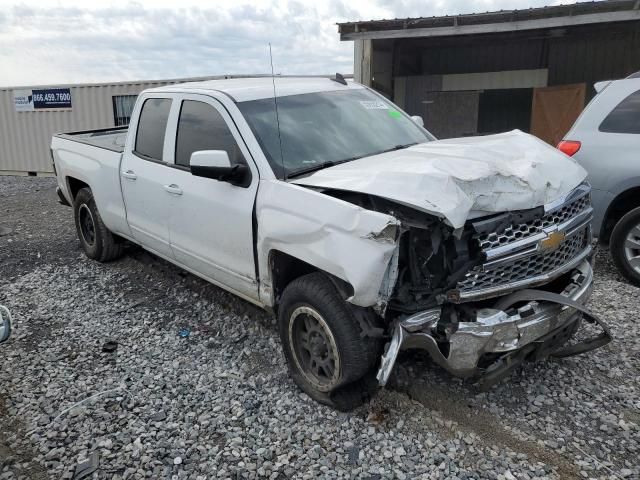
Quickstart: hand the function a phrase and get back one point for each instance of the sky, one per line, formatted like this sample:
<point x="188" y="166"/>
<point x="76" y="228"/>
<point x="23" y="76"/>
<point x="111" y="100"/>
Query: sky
<point x="46" y="42"/>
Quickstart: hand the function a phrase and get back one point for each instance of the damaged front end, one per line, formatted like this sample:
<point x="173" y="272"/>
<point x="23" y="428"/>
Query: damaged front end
<point x="502" y="290"/>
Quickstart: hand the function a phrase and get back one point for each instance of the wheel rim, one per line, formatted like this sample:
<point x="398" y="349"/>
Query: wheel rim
<point x="87" y="225"/>
<point x="314" y="348"/>
<point x="632" y="248"/>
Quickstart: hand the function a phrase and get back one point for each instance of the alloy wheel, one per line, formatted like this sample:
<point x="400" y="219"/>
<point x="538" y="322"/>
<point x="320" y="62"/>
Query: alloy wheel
<point x="632" y="248"/>
<point x="87" y="225"/>
<point x="314" y="348"/>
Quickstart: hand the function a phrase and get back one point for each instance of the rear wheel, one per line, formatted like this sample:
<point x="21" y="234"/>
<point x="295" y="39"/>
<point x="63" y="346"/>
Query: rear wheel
<point x="327" y="355"/>
<point x="97" y="241"/>
<point x="625" y="246"/>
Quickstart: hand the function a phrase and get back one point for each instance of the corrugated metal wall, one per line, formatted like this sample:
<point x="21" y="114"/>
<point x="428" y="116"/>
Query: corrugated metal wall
<point x="451" y="105"/>
<point x="572" y="55"/>
<point x="600" y="55"/>
<point x="25" y="137"/>
<point x="495" y="80"/>
<point x="480" y="54"/>
<point x="513" y="63"/>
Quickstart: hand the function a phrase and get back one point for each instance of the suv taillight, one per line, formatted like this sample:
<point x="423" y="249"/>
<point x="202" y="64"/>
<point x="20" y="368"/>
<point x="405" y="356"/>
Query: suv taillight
<point x="569" y="147"/>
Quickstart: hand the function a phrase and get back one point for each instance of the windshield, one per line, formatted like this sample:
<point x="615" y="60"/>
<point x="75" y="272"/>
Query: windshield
<point x="326" y="128"/>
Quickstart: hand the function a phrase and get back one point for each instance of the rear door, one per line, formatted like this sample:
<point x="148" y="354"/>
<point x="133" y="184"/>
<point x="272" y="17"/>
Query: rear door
<point x="145" y="176"/>
<point x="609" y="133"/>
<point x="211" y="225"/>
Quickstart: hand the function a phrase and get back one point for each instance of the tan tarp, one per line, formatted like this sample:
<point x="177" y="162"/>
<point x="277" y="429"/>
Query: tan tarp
<point x="555" y="109"/>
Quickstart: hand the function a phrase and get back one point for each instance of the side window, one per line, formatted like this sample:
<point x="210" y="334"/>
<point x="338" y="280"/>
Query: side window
<point x="201" y="127"/>
<point x="625" y="118"/>
<point x="152" y="127"/>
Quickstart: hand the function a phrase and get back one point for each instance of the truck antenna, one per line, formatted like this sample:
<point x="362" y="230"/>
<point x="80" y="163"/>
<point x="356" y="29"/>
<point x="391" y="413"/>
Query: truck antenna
<point x="275" y="102"/>
<point x="339" y="78"/>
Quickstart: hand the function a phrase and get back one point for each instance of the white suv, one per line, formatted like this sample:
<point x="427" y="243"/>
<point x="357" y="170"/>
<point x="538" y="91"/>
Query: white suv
<point x="605" y="140"/>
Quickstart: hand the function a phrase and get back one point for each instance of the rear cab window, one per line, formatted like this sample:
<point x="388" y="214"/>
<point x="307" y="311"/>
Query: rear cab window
<point x="152" y="127"/>
<point x="625" y="117"/>
<point x="201" y="127"/>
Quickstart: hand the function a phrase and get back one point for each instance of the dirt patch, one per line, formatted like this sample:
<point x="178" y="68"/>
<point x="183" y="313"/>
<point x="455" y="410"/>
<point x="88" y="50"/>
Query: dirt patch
<point x="21" y="461"/>
<point x="486" y="426"/>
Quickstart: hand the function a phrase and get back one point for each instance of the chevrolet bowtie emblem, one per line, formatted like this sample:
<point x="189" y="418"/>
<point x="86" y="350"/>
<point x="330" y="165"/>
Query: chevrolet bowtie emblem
<point x="552" y="242"/>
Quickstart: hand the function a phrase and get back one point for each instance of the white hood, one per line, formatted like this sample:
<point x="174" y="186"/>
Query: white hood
<point x="461" y="178"/>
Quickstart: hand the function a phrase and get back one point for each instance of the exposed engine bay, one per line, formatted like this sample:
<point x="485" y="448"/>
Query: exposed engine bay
<point x="432" y="256"/>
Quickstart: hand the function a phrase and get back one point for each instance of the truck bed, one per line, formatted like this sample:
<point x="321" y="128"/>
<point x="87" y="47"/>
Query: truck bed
<point x="110" y="138"/>
<point x="93" y="158"/>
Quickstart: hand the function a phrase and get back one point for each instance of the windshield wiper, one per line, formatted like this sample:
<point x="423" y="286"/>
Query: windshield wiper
<point x="320" y="166"/>
<point x="397" y="147"/>
<point x="313" y="168"/>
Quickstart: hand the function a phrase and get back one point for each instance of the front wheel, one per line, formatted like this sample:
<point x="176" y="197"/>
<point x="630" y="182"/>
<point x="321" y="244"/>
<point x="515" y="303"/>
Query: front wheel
<point x="327" y="355"/>
<point x="625" y="246"/>
<point x="97" y="241"/>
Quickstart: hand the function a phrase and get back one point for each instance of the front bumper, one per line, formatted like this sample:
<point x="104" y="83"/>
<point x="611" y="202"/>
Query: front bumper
<point x="501" y="331"/>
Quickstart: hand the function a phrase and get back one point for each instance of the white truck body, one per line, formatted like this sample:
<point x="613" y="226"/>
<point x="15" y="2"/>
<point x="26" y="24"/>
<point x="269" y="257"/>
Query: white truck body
<point x="229" y="234"/>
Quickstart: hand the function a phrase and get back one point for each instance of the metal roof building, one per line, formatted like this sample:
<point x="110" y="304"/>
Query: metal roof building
<point x="29" y="116"/>
<point x="483" y="73"/>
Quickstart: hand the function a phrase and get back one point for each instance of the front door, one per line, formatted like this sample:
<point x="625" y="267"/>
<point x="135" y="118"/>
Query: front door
<point x="144" y="176"/>
<point x="211" y="224"/>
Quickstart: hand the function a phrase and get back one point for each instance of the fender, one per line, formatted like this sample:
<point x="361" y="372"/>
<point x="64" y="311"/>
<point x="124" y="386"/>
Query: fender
<point x="353" y="244"/>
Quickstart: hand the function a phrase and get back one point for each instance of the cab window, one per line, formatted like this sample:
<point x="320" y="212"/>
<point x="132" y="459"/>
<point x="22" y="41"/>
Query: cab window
<point x="152" y="127"/>
<point x="201" y="127"/>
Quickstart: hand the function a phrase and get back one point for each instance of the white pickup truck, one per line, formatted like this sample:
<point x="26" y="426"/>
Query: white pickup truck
<point x="329" y="206"/>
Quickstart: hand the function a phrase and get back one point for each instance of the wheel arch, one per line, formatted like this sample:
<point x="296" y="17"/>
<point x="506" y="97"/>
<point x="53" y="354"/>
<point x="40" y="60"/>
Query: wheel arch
<point x="74" y="185"/>
<point x="622" y="204"/>
<point x="285" y="268"/>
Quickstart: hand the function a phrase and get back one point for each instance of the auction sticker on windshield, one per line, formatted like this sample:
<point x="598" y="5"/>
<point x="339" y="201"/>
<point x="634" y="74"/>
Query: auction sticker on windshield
<point x="374" y="105"/>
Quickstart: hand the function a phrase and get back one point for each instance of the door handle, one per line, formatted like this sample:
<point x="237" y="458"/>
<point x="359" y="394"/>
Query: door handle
<point x="130" y="174"/>
<point x="173" y="189"/>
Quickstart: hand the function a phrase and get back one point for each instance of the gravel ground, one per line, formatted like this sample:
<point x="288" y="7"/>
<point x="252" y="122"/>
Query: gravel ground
<point x="218" y="403"/>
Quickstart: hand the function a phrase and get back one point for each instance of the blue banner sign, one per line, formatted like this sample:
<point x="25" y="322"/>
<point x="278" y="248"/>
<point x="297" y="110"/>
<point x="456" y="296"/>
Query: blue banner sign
<point x="42" y="99"/>
<point x="52" y="98"/>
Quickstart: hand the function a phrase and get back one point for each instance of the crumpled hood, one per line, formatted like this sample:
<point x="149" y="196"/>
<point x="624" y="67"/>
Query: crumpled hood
<point x="461" y="178"/>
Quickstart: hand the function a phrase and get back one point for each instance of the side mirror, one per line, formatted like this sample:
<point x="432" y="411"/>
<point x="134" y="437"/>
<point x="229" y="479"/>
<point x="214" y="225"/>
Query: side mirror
<point x="5" y="324"/>
<point x="417" y="119"/>
<point x="215" y="164"/>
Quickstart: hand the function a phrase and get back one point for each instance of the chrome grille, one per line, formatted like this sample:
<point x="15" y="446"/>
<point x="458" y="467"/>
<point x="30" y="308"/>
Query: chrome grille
<point x="514" y="233"/>
<point x="483" y="277"/>
<point x="516" y="257"/>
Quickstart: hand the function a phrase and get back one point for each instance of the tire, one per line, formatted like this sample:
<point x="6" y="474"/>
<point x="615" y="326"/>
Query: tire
<point x="97" y="241"/>
<point x="625" y="246"/>
<point x="316" y="324"/>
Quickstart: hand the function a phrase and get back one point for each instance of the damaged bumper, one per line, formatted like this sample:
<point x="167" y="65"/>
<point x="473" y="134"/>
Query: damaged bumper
<point x="539" y="326"/>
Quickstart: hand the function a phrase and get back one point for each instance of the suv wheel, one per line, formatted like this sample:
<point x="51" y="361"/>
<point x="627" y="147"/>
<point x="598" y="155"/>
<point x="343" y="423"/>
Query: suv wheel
<point x="97" y="241"/>
<point x="327" y="355"/>
<point x="625" y="246"/>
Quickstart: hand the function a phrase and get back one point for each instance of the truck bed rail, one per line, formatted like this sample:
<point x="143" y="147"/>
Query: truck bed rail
<point x="109" y="138"/>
